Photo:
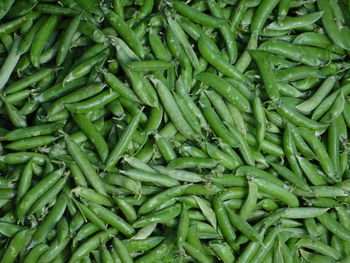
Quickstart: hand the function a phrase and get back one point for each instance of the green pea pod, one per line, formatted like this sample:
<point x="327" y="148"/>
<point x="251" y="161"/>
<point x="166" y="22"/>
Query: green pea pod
<point x="197" y="16"/>
<point x="50" y="220"/>
<point x="67" y="39"/>
<point x="122" y="251"/>
<point x="114" y="220"/>
<point x="123" y="142"/>
<point x="243" y="226"/>
<point x="311" y="56"/>
<point x="15" y="246"/>
<point x="91" y="244"/>
<point x="320" y="152"/>
<point x="172" y="109"/>
<point x="159" y="217"/>
<point x="294" y="22"/>
<point x="41" y="38"/>
<point x="10" y="62"/>
<point x="125" y="32"/>
<point x="5" y="7"/>
<point x="267" y="74"/>
<point x="75" y="96"/>
<point x="90" y="173"/>
<point x="226" y="90"/>
<point x="277" y="191"/>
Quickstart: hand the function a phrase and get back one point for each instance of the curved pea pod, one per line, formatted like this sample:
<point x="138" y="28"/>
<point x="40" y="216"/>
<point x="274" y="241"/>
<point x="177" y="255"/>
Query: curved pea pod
<point x="250" y="203"/>
<point x="211" y="54"/>
<point x="319" y="247"/>
<point x="251" y="171"/>
<point x="35" y="253"/>
<point x="127" y="209"/>
<point x="67" y="40"/>
<point x="311" y="56"/>
<point x="327" y="103"/>
<point x="58" y="90"/>
<point x="268" y="242"/>
<point x="187" y="113"/>
<point x="290" y="150"/>
<point x="160" y="252"/>
<point x="91" y="132"/>
<point x="27" y="132"/>
<point x="244" y="148"/>
<point x="30" y="143"/>
<point x="226" y="32"/>
<point x="180" y="175"/>
<point x="93" y="196"/>
<point x="191" y="162"/>
<point x="23" y="157"/>
<point x="294" y="22"/>
<point x="334" y="226"/>
<point x="36" y="192"/>
<point x="197" y="16"/>
<point x="298" y="119"/>
<point x="85" y="67"/>
<point x="336" y="109"/>
<point x="122" y="251"/>
<point x="51" y="193"/>
<point x="158" y="199"/>
<point x="17" y="243"/>
<point x="94" y="103"/>
<point x="119" y="87"/>
<point x="268" y="77"/>
<point x="320" y="152"/>
<point x="172" y="109"/>
<point x="290" y="176"/>
<point x="304" y="212"/>
<point x="215" y="122"/>
<point x="123" y="141"/>
<point x="142" y="87"/>
<point x="263" y="11"/>
<point x="183" y="226"/>
<point x="223" y="158"/>
<point x="28" y="81"/>
<point x="222" y="250"/>
<point x="157" y="179"/>
<point x="160" y="216"/>
<point x="125" y="32"/>
<point x="321" y="93"/>
<point x="41" y="38"/>
<point x="17" y="119"/>
<point x="125" y="182"/>
<point x="50" y="220"/>
<point x="317" y="40"/>
<point x="182" y="38"/>
<point x="298" y="73"/>
<point x="9" y="230"/>
<point x="91" y="31"/>
<point x="233" y="192"/>
<point x="276" y="191"/>
<point x="259" y="113"/>
<point x="112" y="219"/>
<point x="244" y="227"/>
<point x="225" y="89"/>
<point x="331" y="27"/>
<point x="10" y="62"/>
<point x="92" y="243"/>
<point x="75" y="96"/>
<point x="5" y="7"/>
<point x="196" y="253"/>
<point x="56" y="10"/>
<point x="83" y="162"/>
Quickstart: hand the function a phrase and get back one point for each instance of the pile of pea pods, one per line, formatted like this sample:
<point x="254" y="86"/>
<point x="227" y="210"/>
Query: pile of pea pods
<point x="174" y="131"/>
